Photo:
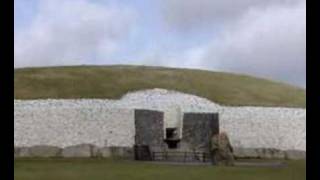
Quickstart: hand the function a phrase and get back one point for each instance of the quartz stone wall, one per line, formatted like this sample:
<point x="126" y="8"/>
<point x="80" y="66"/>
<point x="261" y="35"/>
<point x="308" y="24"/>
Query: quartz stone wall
<point x="62" y="126"/>
<point x="261" y="127"/>
<point x="104" y="122"/>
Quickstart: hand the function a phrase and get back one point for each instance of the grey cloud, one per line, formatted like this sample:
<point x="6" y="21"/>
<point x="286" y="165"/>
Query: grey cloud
<point x="187" y="14"/>
<point x="71" y="32"/>
<point x="264" y="39"/>
<point x="268" y="43"/>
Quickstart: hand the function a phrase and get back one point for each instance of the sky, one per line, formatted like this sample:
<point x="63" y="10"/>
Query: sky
<point x="264" y="38"/>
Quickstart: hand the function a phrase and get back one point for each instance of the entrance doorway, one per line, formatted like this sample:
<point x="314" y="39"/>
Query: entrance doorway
<point x="172" y="138"/>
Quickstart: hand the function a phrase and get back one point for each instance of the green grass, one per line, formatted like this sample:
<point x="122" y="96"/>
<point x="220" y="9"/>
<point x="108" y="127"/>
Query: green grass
<point x="94" y="169"/>
<point x="114" y="81"/>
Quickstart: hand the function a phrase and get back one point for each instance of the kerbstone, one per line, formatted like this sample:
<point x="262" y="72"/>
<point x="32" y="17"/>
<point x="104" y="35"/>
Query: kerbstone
<point x="44" y="151"/>
<point x="258" y="153"/>
<point x="295" y="155"/>
<point x="82" y="150"/>
<point x="122" y="152"/>
<point x="105" y="152"/>
<point x="245" y="153"/>
<point x="267" y="153"/>
<point x="24" y="152"/>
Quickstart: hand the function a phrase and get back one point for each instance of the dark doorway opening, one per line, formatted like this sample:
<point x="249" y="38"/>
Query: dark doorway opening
<point x="171" y="133"/>
<point x="172" y="138"/>
<point x="172" y="144"/>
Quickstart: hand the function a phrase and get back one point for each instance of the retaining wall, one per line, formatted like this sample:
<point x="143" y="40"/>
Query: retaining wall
<point x="63" y="126"/>
<point x="106" y="123"/>
<point x="257" y="127"/>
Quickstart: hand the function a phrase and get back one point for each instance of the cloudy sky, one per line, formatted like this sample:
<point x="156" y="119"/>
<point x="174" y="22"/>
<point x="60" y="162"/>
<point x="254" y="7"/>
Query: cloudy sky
<point x="265" y="38"/>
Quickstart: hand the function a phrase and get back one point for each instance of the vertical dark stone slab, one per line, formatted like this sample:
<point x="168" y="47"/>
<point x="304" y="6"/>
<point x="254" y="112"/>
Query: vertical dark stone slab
<point x="198" y="128"/>
<point x="149" y="128"/>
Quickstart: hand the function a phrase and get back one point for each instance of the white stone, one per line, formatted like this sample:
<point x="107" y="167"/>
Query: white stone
<point x="104" y="122"/>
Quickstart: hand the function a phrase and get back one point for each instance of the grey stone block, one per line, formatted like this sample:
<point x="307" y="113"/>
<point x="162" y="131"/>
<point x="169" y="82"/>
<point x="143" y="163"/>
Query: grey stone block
<point x="261" y="153"/>
<point x="95" y="151"/>
<point x="244" y="153"/>
<point x="122" y="152"/>
<point x="105" y="152"/>
<point x="82" y="150"/>
<point x="295" y="155"/>
<point x="23" y="152"/>
<point x="269" y="153"/>
<point x="44" y="151"/>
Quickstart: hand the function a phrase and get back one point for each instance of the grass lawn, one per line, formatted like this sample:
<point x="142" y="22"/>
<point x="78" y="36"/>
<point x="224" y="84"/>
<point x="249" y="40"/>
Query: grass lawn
<point x="112" y="82"/>
<point x="107" y="169"/>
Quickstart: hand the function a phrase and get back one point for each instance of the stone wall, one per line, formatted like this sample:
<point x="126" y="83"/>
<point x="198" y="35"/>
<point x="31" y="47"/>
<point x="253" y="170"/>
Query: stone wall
<point x="106" y="123"/>
<point x="257" y="127"/>
<point x="66" y="126"/>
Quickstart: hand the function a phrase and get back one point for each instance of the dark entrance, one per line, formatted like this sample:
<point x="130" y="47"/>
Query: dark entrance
<point x="172" y="138"/>
<point x="171" y="133"/>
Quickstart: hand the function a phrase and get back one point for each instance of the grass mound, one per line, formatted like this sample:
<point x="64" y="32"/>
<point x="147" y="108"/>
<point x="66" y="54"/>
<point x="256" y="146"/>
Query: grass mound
<point x="114" y="81"/>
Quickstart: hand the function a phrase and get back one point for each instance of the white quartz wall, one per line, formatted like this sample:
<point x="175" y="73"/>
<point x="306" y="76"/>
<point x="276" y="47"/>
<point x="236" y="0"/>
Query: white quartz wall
<point x="60" y="126"/>
<point x="111" y="122"/>
<point x="257" y="127"/>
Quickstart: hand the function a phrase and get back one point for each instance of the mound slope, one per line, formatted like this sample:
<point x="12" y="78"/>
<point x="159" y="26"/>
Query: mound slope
<point x="112" y="82"/>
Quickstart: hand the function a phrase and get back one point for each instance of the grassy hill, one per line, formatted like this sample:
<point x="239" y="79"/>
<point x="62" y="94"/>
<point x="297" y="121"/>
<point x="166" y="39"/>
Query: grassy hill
<point x="114" y="81"/>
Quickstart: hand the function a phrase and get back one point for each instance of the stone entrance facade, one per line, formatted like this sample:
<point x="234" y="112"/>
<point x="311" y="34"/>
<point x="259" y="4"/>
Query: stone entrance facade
<point x="188" y="134"/>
